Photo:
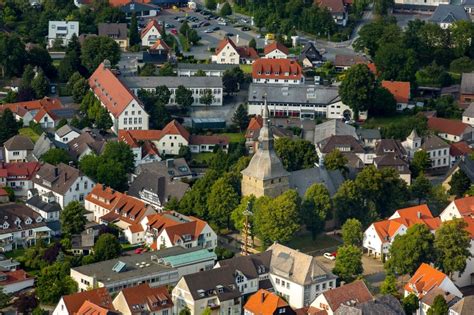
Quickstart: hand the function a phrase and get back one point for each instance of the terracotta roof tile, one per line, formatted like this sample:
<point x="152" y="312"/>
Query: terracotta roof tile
<point x="264" y="302"/>
<point x="23" y="107"/>
<point x="160" y="45"/>
<point x="155" y="299"/>
<point x="465" y="205"/>
<point x="459" y="149"/>
<point x="15" y="276"/>
<point x="449" y="126"/>
<point x="19" y="170"/>
<point x="223" y="43"/>
<point x="356" y="291"/>
<point x="149" y="26"/>
<point x="334" y="6"/>
<point x="399" y="89"/>
<point x="98" y="296"/>
<point x="425" y="279"/>
<point x="247" y="52"/>
<point x="89" y="308"/>
<point x="175" y="128"/>
<point x="42" y="112"/>
<point x="276" y="45"/>
<point x="349" y="60"/>
<point x="277" y="69"/>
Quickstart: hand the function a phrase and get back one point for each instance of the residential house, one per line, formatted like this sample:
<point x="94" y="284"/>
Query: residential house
<point x="157" y="54"/>
<point x="61" y="32"/>
<point x="17" y="149"/>
<point x="14" y="281"/>
<point x="26" y="111"/>
<point x="91" y="308"/>
<point x="90" y="141"/>
<point x="400" y="91"/>
<point x="83" y="244"/>
<point x="370" y="137"/>
<point x="459" y="150"/>
<point x="143" y="151"/>
<point x="18" y="176"/>
<point x="347" y="145"/>
<point x="45" y="205"/>
<point x="21" y="226"/>
<point x="210" y="69"/>
<point x="445" y="15"/>
<point x="426" y="279"/>
<point x="298" y="100"/>
<point x="159" y="182"/>
<point x="467" y="88"/>
<point x="45" y="143"/>
<point x="393" y="160"/>
<point x="437" y="149"/>
<point x="144" y="299"/>
<point x="464" y="164"/>
<point x="141" y="9"/>
<point x="421" y="5"/>
<point x="158" y="268"/>
<point x="298" y="277"/>
<point x="70" y="304"/>
<point x="350" y="294"/>
<point x="451" y="130"/>
<point x="170" y="228"/>
<point x="126" y="111"/>
<point x="378" y="237"/>
<point x="151" y="33"/>
<point x="464" y="306"/>
<point x="333" y="127"/>
<point x="228" y="53"/>
<point x="310" y="56"/>
<point x="8" y="264"/>
<point x="46" y="118"/>
<point x="198" y="85"/>
<point x="253" y="132"/>
<point x="344" y="62"/>
<point x="111" y="206"/>
<point x="428" y="299"/>
<point x="458" y="208"/>
<point x="65" y="182"/>
<point x="117" y="31"/>
<point x="337" y="8"/>
<point x="276" y="50"/>
<point x="268" y="303"/>
<point x="468" y="115"/>
<point x="385" y="304"/>
<point x="4" y="196"/>
<point x="279" y="71"/>
<point x="66" y="134"/>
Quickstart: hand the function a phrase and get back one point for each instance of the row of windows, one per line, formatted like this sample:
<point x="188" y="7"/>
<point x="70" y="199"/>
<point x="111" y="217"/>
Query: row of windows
<point x="131" y="120"/>
<point x="133" y="112"/>
<point x="277" y="80"/>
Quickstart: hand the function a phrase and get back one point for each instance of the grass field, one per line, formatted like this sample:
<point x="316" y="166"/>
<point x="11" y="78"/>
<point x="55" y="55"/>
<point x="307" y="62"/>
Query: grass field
<point x="384" y="121"/>
<point x="201" y="157"/>
<point x="15" y="253"/>
<point x="29" y="133"/>
<point x="305" y="243"/>
<point x="235" y="137"/>
<point x="246" y="68"/>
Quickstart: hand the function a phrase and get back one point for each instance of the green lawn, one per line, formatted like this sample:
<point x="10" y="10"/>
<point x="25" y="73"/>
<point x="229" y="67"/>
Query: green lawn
<point x="305" y="243"/>
<point x="235" y="137"/>
<point x="201" y="157"/>
<point x="246" y="68"/>
<point x="15" y="253"/>
<point x="184" y="42"/>
<point x="376" y="122"/>
<point x="29" y="133"/>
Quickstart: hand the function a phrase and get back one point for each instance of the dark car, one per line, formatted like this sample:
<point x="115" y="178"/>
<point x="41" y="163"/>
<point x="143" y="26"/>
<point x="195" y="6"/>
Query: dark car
<point x="245" y="28"/>
<point x="216" y="28"/>
<point x="205" y="23"/>
<point x="229" y="34"/>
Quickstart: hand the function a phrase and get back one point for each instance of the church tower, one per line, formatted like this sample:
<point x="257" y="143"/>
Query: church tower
<point x="265" y="175"/>
<point x="412" y="143"/>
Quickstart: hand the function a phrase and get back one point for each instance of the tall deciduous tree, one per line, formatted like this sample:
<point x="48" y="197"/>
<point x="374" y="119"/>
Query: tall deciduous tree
<point x="98" y="48"/>
<point x="352" y="233"/>
<point x="72" y="218"/>
<point x="223" y="199"/>
<point x="349" y="203"/>
<point x="459" y="183"/>
<point x="134" y="37"/>
<point x="40" y="84"/>
<point x="335" y="160"/>
<point x="296" y="154"/>
<point x="421" y="188"/>
<point x="8" y="125"/>
<point x="408" y="251"/>
<point x="184" y="96"/>
<point x="316" y="208"/>
<point x="53" y="282"/>
<point x="389" y="285"/>
<point x="55" y="156"/>
<point x="71" y="62"/>
<point x="410" y="303"/>
<point x="241" y="117"/>
<point x="207" y="97"/>
<point x="452" y="243"/>
<point x="348" y="263"/>
<point x="107" y="247"/>
<point x="420" y="163"/>
<point x="226" y="9"/>
<point x="357" y="89"/>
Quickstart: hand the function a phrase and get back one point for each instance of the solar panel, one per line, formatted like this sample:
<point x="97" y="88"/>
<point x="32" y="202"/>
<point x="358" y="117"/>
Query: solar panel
<point x="119" y="266"/>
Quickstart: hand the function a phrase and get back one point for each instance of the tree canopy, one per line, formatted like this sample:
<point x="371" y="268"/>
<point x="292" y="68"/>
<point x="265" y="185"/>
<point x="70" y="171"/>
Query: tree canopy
<point x="72" y="218"/>
<point x="452" y="243"/>
<point x="348" y="263"/>
<point x="296" y="154"/>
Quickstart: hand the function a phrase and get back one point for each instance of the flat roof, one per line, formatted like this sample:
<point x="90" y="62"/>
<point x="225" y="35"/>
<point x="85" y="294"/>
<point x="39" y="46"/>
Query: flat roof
<point x="171" y="82"/>
<point x="293" y="93"/>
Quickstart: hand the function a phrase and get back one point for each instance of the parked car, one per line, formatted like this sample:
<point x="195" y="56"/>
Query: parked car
<point x="222" y="23"/>
<point x="329" y="256"/>
<point x="204" y="23"/>
<point x="174" y="31"/>
<point x="216" y="28"/>
<point x="229" y="34"/>
<point x="209" y="30"/>
<point x="245" y="28"/>
<point x="167" y="25"/>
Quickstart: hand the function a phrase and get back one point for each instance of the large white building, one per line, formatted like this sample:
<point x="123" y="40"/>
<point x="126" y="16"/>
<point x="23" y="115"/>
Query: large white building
<point x="62" y="31"/>
<point x="277" y="71"/>
<point x="437" y="149"/>
<point x="126" y="111"/>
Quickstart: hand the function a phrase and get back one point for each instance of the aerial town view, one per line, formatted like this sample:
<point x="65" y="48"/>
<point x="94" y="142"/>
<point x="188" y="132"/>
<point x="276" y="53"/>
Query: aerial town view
<point x="237" y="157"/>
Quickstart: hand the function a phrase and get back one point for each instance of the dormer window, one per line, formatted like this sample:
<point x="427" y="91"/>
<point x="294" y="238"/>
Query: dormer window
<point x="5" y="225"/>
<point x="28" y="221"/>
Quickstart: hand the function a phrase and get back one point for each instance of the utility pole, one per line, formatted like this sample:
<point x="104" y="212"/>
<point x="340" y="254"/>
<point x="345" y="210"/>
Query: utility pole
<point x="246" y="229"/>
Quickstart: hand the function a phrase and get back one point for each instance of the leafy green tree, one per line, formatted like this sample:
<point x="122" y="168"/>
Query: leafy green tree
<point x="357" y="88"/>
<point x="421" y="187"/>
<point x="194" y="201"/>
<point x="55" y="156"/>
<point x="12" y="55"/>
<point x="26" y="303"/>
<point x="241" y="117"/>
<point x="4" y="298"/>
<point x="107" y="247"/>
<point x="253" y="43"/>
<point x="207" y="311"/>
<point x="207" y="97"/>
<point x="459" y="184"/>
<point x="184" y="96"/>
<point x="420" y="163"/>
<point x="439" y="307"/>
<point x="8" y="125"/>
<point x="40" y="84"/>
<point x="71" y="62"/>
<point x="72" y="218"/>
<point x="166" y="70"/>
<point x="39" y="311"/>
<point x="389" y="285"/>
<point x="395" y="62"/>
<point x="222" y="200"/>
<point x="381" y="7"/>
<point x="134" y="37"/>
<point x="200" y="73"/>
<point x="437" y="199"/>
<point x="410" y="303"/>
<point x="226" y="10"/>
<point x="349" y="203"/>
<point x="461" y="65"/>
<point x="316" y="208"/>
<point x="238" y="218"/>
<point x="452" y="243"/>
<point x="61" y="123"/>
<point x="120" y="152"/>
<point x="185" y="152"/>
<point x="352" y="233"/>
<point x="295" y="154"/>
<point x="384" y="103"/>
<point x="147" y="70"/>
<point x="25" y="91"/>
<point x="96" y="49"/>
<point x="40" y="57"/>
<point x="408" y="251"/>
<point x="210" y="4"/>
<point x="53" y="282"/>
<point x="112" y="173"/>
<point x="103" y="120"/>
<point x="433" y="75"/>
<point x="280" y="219"/>
<point x="79" y="89"/>
<point x="163" y="94"/>
<point x="348" y="265"/>
<point x="185" y="311"/>
<point x="335" y="160"/>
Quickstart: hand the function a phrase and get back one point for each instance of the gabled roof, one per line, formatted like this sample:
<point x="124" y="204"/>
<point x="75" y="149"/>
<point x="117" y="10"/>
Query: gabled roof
<point x="100" y="297"/>
<point x="20" y="108"/>
<point x="110" y="90"/>
<point x="154" y="299"/>
<point x="385" y="146"/>
<point x="392" y="160"/>
<point x="349" y="60"/>
<point x="433" y="142"/>
<point x="175" y="128"/>
<point x="44" y="111"/>
<point x="18" y="143"/>
<point x="276" y="45"/>
<point x="333" y="127"/>
<point x="23" y="170"/>
<point x="425" y="279"/>
<point x="355" y="291"/>
<point x="447" y="13"/>
<point x="339" y="142"/>
<point x="334" y="6"/>
<point x="277" y="69"/>
<point x="465" y="205"/>
<point x="459" y="149"/>
<point x="386" y="229"/>
<point x="59" y="177"/>
<point x="89" y="140"/>
<point x="264" y="302"/>
<point x="160" y="45"/>
<point x="399" y="89"/>
<point x="223" y="43"/>
<point x="89" y="308"/>
<point x="113" y="30"/>
<point x="14" y="276"/>
<point x="449" y="126"/>
<point x="465" y="306"/>
<point x="251" y="266"/>
<point x="469" y="112"/>
<point x="309" y="51"/>
<point x="151" y="24"/>
<point x="64" y="130"/>
<point x="246" y="52"/>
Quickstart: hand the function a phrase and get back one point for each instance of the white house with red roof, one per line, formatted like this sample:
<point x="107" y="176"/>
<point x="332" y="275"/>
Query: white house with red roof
<point x="379" y="235"/>
<point x="450" y="129"/>
<point x="400" y="91"/>
<point x="280" y="71"/>
<point x="151" y="33"/>
<point x="70" y="304"/>
<point x="13" y="281"/>
<point x="276" y="50"/>
<point x="125" y="109"/>
<point x="228" y="53"/>
<point x="46" y="118"/>
<point x="27" y="111"/>
<point x="170" y="228"/>
<point x="144" y="151"/>
<point x="458" y="208"/>
<point x="144" y="299"/>
<point x="18" y="176"/>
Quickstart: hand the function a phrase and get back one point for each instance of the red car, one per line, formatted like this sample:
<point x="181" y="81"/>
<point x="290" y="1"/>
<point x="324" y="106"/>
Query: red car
<point x="174" y="31"/>
<point x="138" y="250"/>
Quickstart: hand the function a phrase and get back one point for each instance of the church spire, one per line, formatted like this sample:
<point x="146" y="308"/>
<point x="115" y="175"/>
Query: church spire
<point x="265" y="138"/>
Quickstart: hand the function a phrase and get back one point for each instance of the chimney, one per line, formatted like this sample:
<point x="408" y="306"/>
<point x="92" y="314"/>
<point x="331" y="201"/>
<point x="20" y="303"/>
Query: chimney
<point x="107" y="64"/>
<point x="418" y="214"/>
<point x="169" y="163"/>
<point x="56" y="172"/>
<point x="65" y="176"/>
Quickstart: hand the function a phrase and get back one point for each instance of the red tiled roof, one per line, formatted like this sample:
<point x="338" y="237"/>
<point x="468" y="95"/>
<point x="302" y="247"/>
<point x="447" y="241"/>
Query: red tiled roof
<point x="89" y="308"/>
<point x="255" y="124"/>
<point x="334" y="6"/>
<point x="98" y="296"/>
<point x="465" y="205"/>
<point x="373" y="68"/>
<point x="399" y="89"/>
<point x="135" y="228"/>
<point x="349" y="60"/>
<point x="175" y="128"/>
<point x="43" y="111"/>
<point x="275" y="45"/>
<point x="425" y="279"/>
<point x="160" y="44"/>
<point x="459" y="149"/>
<point x="15" y="276"/>
<point x="247" y="52"/>
<point x="212" y="140"/>
<point x="356" y="291"/>
<point x="110" y="90"/>
<point x="448" y="126"/>
<point x="152" y="23"/>
<point x="141" y="135"/>
<point x="224" y="42"/>
<point x="264" y="302"/>
<point x="278" y="69"/>
<point x="155" y="298"/>
<point x="470" y="226"/>
<point x="24" y="170"/>
<point x="386" y="229"/>
<point x="21" y="108"/>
